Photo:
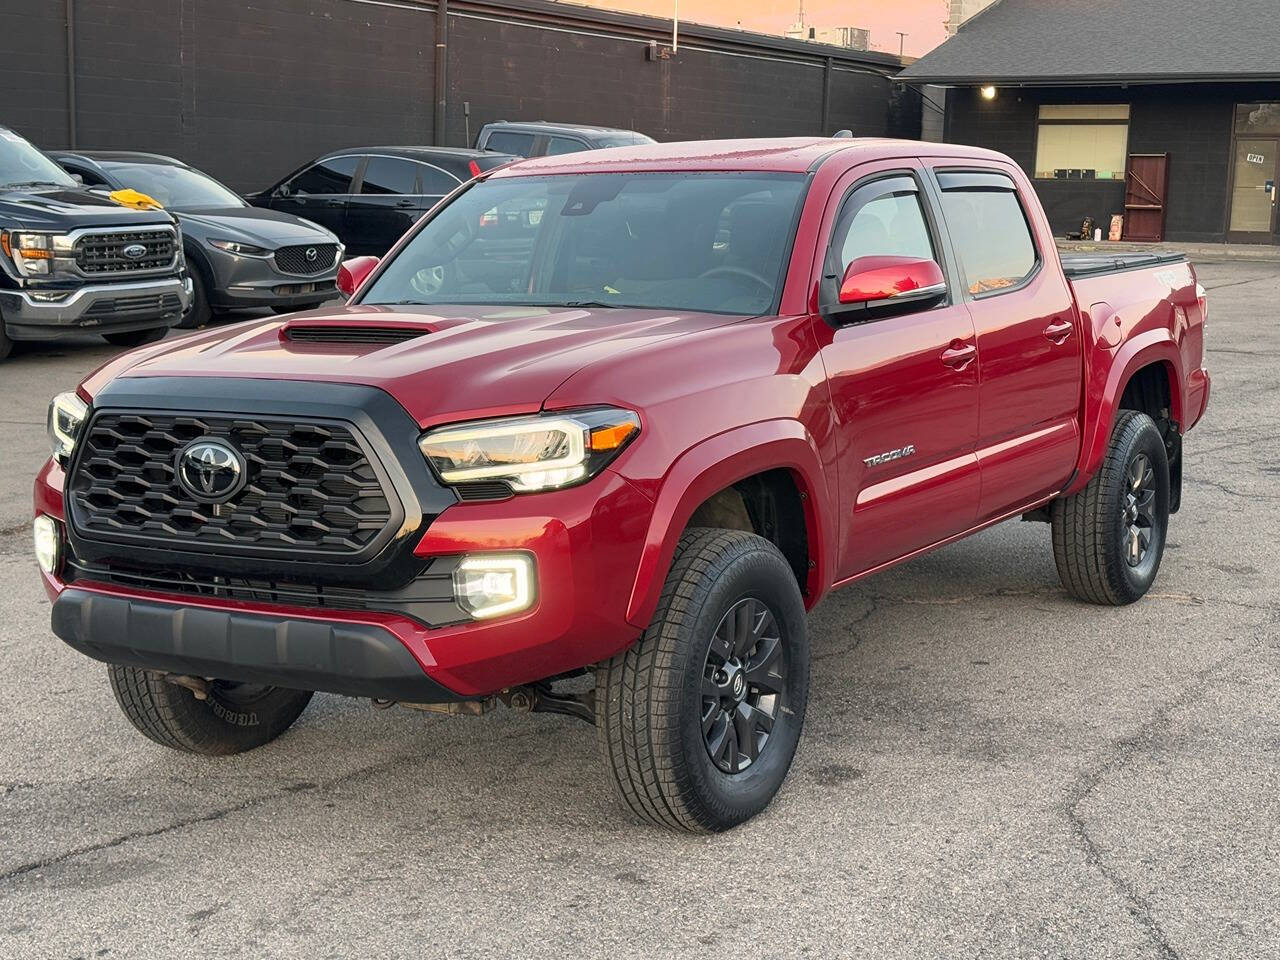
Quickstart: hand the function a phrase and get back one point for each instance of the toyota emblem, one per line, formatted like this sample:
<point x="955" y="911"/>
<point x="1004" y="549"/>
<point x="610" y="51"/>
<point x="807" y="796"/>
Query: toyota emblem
<point x="311" y="253"/>
<point x="211" y="471"/>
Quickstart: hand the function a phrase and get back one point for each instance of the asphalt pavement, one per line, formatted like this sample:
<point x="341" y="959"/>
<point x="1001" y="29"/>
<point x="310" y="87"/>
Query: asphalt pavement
<point x="989" y="769"/>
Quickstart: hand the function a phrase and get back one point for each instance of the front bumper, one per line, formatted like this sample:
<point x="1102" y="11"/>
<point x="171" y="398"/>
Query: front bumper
<point x="93" y="308"/>
<point x="586" y="543"/>
<point x="355" y="658"/>
<point x="241" y="281"/>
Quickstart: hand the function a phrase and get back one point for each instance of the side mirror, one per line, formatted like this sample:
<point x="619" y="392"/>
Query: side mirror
<point x="872" y="282"/>
<point x="281" y="191"/>
<point x="78" y="179"/>
<point x="354" y="272"/>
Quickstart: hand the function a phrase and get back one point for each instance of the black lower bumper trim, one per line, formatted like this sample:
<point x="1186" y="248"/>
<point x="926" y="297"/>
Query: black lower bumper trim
<point x="359" y="660"/>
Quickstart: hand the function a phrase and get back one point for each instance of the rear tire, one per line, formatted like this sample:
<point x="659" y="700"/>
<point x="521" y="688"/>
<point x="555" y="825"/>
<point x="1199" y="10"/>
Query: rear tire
<point x="686" y="744"/>
<point x="234" y="718"/>
<point x="6" y="345"/>
<point x="1109" y="538"/>
<point x="136" y="338"/>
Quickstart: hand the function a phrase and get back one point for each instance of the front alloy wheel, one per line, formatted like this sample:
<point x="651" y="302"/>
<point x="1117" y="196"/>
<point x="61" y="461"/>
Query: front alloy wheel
<point x="743" y="683"/>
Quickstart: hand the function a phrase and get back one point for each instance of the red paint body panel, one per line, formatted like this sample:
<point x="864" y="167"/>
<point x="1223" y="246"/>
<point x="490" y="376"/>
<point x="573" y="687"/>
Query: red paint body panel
<point x="1004" y="400"/>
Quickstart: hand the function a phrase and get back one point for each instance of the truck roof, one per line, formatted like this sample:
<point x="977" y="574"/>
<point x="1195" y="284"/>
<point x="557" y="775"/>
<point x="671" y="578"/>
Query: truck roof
<point x="774" y="155"/>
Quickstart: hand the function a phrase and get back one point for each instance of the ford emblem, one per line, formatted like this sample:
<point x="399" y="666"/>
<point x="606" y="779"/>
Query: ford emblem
<point x="134" y="251"/>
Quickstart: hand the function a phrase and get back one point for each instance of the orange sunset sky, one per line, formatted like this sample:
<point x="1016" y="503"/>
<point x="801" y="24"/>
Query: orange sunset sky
<point x="920" y="19"/>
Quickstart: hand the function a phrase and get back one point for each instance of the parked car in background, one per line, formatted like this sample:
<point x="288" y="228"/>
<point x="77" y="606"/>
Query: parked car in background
<point x="635" y="436"/>
<point x="237" y="255"/>
<point x="542" y="138"/>
<point x="369" y="196"/>
<point x="76" y="262"/>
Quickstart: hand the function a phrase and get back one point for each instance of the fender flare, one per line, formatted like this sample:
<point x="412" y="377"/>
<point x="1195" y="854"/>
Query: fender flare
<point x="716" y="463"/>
<point x="1154" y="346"/>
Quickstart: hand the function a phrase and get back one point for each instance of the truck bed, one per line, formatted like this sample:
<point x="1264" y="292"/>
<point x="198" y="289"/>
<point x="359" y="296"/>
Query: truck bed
<point x="1095" y="264"/>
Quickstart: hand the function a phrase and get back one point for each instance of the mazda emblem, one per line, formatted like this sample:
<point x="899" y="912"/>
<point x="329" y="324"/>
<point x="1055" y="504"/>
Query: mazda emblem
<point x="211" y="471"/>
<point x="134" y="251"/>
<point x="311" y="253"/>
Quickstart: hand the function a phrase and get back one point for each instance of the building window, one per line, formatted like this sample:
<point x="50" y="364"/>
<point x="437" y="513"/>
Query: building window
<point x="1082" y="141"/>
<point x="1258" y="119"/>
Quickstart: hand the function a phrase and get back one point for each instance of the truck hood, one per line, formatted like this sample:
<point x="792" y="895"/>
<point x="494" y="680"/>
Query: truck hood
<point x="470" y="361"/>
<point x="66" y="208"/>
<point x="267" y="228"/>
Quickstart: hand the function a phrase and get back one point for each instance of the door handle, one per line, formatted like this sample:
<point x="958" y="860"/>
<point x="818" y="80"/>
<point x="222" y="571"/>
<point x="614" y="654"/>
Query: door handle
<point x="406" y="203"/>
<point x="959" y="354"/>
<point x="1058" y="331"/>
<point x="335" y="203"/>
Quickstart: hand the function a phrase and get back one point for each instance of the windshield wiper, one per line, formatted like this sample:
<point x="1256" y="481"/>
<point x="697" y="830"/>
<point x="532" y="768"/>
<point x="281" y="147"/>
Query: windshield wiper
<point x="32" y="183"/>
<point x="586" y="303"/>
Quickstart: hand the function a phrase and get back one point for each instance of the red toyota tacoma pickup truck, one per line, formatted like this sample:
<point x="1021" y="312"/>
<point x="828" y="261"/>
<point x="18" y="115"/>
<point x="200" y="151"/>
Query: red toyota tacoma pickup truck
<point x="595" y="435"/>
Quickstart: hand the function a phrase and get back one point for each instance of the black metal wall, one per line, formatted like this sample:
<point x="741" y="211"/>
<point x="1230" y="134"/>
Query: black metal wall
<point x="249" y="89"/>
<point x="1190" y="122"/>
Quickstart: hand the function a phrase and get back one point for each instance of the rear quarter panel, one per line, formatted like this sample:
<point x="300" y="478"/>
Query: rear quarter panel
<point x="1131" y="319"/>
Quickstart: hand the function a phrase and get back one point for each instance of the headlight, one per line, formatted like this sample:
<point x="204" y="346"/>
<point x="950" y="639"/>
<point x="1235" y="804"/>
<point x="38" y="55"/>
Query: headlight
<point x="240" y="249"/>
<point x="31" y="253"/>
<point x="67" y="414"/>
<point x="542" y="452"/>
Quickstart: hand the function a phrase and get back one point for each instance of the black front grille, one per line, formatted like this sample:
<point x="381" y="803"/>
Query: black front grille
<point x="310" y="487"/>
<point x="307" y="258"/>
<point x="151" y="303"/>
<point x="353" y="334"/>
<point x="427" y="598"/>
<point x="105" y="252"/>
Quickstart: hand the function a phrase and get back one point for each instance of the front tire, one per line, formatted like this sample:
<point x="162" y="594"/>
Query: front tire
<point x="6" y="345"/>
<point x="136" y="338"/>
<point x="1109" y="538"/>
<point x="232" y="719"/>
<point x="699" y="720"/>
<point x="200" y="312"/>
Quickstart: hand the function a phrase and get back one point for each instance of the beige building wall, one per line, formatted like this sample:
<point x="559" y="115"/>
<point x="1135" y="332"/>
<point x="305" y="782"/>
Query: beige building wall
<point x="962" y="10"/>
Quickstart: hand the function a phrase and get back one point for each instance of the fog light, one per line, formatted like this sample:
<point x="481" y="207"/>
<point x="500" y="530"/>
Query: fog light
<point x="48" y="540"/>
<point x="490" y="585"/>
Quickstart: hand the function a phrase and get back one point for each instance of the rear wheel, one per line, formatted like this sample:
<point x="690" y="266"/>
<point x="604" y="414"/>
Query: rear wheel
<point x="233" y="717"/>
<point x="1109" y="538"/>
<point x="699" y="721"/>
<point x="136" y="338"/>
<point x="6" y="345"/>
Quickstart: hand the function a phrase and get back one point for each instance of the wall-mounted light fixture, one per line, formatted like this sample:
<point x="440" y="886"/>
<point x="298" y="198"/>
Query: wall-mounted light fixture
<point x="988" y="93"/>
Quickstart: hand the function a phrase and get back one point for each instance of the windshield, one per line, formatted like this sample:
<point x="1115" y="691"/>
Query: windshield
<point x="707" y="242"/>
<point x="623" y="140"/>
<point x="21" y="164"/>
<point x="176" y="187"/>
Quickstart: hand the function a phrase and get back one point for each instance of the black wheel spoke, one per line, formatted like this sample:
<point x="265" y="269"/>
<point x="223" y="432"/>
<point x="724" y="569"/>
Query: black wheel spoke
<point x="746" y="663"/>
<point x="761" y="670"/>
<point x="745" y="730"/>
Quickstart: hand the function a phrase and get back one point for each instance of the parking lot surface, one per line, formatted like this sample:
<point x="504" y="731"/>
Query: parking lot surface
<point x="989" y="769"/>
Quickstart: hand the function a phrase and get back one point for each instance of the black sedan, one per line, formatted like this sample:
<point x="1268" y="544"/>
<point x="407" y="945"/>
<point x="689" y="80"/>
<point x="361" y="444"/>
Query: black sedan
<point x="237" y="255"/>
<point x="369" y="196"/>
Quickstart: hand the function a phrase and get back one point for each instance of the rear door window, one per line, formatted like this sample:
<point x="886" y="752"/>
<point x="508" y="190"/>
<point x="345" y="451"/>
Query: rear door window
<point x="990" y="231"/>
<point x="436" y="182"/>
<point x="558" y="145"/>
<point x="503" y="141"/>
<point x="332" y="176"/>
<point x="390" y="175"/>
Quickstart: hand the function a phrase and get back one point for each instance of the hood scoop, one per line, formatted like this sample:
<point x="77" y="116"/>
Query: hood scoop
<point x="312" y="332"/>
